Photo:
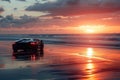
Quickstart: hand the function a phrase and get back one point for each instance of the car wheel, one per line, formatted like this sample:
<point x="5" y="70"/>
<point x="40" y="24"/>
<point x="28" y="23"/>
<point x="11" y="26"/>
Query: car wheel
<point x="14" y="50"/>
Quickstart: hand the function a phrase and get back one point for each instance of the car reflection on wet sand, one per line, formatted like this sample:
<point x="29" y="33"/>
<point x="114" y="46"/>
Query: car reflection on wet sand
<point x="31" y="57"/>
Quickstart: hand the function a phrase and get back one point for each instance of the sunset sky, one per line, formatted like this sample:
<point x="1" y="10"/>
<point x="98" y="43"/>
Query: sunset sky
<point x="59" y="16"/>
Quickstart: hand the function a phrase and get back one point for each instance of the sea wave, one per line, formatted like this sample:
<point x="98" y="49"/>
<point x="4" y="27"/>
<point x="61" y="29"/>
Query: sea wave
<point x="96" y="40"/>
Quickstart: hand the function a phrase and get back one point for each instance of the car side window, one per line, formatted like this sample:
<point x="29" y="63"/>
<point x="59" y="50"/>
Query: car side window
<point x="37" y="40"/>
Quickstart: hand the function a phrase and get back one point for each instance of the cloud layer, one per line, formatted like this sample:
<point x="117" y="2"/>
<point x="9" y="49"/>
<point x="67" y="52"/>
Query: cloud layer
<point x="1" y="9"/>
<point x="10" y="21"/>
<point x="76" y="7"/>
<point x="63" y="14"/>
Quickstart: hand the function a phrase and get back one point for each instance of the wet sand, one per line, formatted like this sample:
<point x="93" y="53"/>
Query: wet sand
<point x="61" y="62"/>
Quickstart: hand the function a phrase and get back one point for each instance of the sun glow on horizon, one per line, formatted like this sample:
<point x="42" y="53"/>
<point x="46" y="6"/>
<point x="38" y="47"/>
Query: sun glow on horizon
<point x="91" y="28"/>
<point x="90" y="31"/>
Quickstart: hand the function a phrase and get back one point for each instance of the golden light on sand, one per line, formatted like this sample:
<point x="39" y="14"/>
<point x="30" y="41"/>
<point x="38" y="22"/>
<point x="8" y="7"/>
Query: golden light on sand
<point x="90" y="66"/>
<point x="90" y="70"/>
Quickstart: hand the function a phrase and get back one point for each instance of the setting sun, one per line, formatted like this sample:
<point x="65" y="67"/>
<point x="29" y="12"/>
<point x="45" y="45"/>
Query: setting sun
<point x="89" y="31"/>
<point x="91" y="28"/>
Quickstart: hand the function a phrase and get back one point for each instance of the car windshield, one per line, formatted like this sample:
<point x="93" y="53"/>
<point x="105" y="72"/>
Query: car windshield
<point x="26" y="40"/>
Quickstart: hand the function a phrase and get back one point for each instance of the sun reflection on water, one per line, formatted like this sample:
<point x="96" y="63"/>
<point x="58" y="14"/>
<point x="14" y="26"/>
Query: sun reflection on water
<point x="90" y="52"/>
<point x="90" y="65"/>
<point x="90" y="68"/>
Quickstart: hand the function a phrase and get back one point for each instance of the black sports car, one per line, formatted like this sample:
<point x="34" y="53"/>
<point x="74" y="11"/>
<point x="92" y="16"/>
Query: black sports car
<point x="28" y="46"/>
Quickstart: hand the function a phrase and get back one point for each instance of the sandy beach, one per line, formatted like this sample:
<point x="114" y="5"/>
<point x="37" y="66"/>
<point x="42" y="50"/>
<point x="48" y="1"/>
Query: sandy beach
<point x="61" y="63"/>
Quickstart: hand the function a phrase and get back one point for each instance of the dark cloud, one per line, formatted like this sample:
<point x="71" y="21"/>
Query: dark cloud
<point x="76" y="7"/>
<point x="22" y="0"/>
<point x="7" y="0"/>
<point x="10" y="21"/>
<point x="1" y="9"/>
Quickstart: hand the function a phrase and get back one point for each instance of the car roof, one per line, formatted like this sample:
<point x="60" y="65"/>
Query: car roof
<point x="25" y="40"/>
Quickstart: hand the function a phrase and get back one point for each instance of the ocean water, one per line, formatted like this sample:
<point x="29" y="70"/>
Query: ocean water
<point x="93" y="40"/>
